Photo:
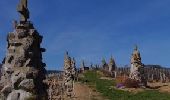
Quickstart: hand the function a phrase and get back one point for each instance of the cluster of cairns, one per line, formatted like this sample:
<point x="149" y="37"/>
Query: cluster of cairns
<point x="61" y="85"/>
<point x="109" y="69"/>
<point x="23" y="74"/>
<point x="137" y="75"/>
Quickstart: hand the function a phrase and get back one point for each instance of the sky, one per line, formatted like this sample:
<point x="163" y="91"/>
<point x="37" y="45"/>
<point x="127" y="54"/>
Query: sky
<point x="94" y="29"/>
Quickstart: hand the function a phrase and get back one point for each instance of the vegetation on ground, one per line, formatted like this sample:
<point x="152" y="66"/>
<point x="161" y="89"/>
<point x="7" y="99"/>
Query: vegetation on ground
<point x="105" y="87"/>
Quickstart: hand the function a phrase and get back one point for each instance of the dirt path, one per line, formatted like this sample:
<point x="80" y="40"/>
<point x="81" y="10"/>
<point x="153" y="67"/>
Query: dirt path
<point x="162" y="87"/>
<point x="83" y="92"/>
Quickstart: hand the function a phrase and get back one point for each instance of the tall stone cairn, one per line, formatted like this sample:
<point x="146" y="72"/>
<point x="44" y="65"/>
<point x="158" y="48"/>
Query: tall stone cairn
<point x="104" y="65"/>
<point x="82" y="66"/>
<point x="68" y="76"/>
<point x="23" y="70"/>
<point x="137" y="68"/>
<point x="112" y="67"/>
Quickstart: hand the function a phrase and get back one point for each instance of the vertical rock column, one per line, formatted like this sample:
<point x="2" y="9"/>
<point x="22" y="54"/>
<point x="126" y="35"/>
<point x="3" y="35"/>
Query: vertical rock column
<point x="74" y="70"/>
<point x="137" y="68"/>
<point x="23" y="69"/>
<point x="68" y="76"/>
<point x="112" y="67"/>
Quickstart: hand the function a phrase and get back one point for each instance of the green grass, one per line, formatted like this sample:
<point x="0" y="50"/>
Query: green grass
<point x="105" y="87"/>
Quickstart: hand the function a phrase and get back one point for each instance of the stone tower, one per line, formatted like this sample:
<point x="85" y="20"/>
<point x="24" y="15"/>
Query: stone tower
<point x="74" y="70"/>
<point x="82" y="66"/>
<point x="23" y="69"/>
<point x="104" y="64"/>
<point x="136" y="70"/>
<point x="112" y="67"/>
<point x="68" y="76"/>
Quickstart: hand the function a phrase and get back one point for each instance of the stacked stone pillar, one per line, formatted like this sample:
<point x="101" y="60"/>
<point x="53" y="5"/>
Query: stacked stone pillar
<point x="137" y="68"/>
<point x="23" y="69"/>
<point x="69" y="72"/>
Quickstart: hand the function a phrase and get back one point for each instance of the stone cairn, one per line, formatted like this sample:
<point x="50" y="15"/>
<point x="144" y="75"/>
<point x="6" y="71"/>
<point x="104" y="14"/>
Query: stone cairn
<point x="136" y="70"/>
<point x="104" y="65"/>
<point x="55" y="91"/>
<point x="74" y="69"/>
<point x="69" y="73"/>
<point x="23" y="70"/>
<point x="110" y="68"/>
<point x="82" y="66"/>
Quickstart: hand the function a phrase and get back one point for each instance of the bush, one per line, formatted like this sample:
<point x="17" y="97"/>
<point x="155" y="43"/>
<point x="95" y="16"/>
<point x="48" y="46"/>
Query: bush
<point x="131" y="83"/>
<point x="121" y="79"/>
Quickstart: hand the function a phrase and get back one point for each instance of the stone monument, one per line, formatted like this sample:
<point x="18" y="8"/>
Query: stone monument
<point x="104" y="65"/>
<point x="74" y="70"/>
<point x="112" y="67"/>
<point x="23" y="71"/>
<point x="82" y="66"/>
<point x="136" y="70"/>
<point x="68" y="76"/>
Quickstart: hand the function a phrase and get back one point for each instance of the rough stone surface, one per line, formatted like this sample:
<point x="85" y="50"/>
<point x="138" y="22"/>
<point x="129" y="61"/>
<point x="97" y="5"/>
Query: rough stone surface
<point x="19" y="95"/>
<point x="27" y="84"/>
<point x="7" y="89"/>
<point x="68" y="75"/>
<point x="136" y="70"/>
<point x="23" y="71"/>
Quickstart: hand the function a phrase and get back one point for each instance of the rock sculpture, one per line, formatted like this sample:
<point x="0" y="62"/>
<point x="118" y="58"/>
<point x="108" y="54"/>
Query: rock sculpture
<point x="74" y="70"/>
<point x="23" y="70"/>
<point x="23" y="10"/>
<point x="136" y="70"/>
<point x="104" y="65"/>
<point x="112" y="67"/>
<point x="82" y="66"/>
<point x="68" y="76"/>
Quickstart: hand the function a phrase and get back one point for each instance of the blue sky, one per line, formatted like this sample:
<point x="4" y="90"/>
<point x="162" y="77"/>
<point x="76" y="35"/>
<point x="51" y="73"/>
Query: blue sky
<point x="93" y="29"/>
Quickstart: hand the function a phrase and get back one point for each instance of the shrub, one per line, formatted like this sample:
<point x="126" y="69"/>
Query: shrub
<point x="131" y="83"/>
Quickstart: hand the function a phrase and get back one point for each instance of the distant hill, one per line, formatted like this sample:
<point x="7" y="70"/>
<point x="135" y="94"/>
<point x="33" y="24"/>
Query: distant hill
<point x="53" y="71"/>
<point x="157" y="66"/>
<point x="154" y="66"/>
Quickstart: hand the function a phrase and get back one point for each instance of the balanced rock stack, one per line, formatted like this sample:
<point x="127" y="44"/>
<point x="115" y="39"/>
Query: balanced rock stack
<point x="23" y="70"/>
<point x="68" y="76"/>
<point x="112" y="67"/>
<point x="74" y="70"/>
<point x="137" y="68"/>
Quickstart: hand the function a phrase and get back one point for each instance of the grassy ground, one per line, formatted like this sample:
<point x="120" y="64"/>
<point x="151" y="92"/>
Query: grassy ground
<point x="92" y="78"/>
